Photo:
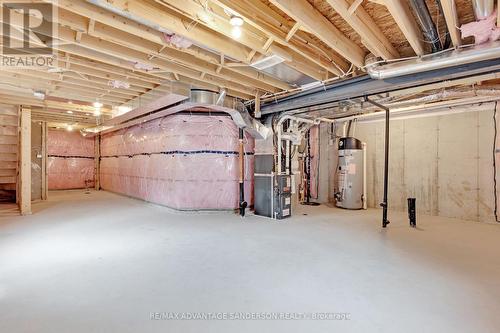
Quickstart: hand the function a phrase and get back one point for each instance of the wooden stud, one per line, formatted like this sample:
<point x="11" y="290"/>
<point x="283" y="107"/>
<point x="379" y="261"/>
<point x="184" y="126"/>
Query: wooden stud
<point x="303" y="12"/>
<point x="451" y="17"/>
<point x="25" y="161"/>
<point x="406" y="22"/>
<point x="371" y="36"/>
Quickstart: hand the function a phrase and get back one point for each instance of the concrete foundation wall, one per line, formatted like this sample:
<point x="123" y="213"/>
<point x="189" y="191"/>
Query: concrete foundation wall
<point x="446" y="162"/>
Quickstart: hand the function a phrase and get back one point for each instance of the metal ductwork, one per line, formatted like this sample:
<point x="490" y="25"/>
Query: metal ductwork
<point x="426" y="24"/>
<point x="482" y="8"/>
<point x="435" y="61"/>
<point x="233" y="106"/>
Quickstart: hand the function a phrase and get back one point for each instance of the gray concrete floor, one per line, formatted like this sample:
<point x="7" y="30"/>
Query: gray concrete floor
<point x="103" y="263"/>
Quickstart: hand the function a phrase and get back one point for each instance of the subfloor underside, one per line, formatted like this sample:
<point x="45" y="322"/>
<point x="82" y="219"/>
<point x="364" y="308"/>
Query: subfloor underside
<point x="106" y="263"/>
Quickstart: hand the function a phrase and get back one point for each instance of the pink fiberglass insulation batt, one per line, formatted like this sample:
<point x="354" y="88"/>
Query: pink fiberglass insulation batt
<point x="70" y="160"/>
<point x="314" y="140"/>
<point x="182" y="161"/>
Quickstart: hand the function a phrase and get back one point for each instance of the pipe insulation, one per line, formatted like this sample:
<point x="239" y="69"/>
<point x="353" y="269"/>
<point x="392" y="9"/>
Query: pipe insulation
<point x="434" y="61"/>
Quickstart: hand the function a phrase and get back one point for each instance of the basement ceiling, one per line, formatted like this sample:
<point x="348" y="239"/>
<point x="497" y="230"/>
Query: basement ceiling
<point x="116" y="51"/>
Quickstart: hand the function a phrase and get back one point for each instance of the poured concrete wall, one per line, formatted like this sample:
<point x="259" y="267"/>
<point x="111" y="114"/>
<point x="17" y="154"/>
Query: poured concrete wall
<point x="446" y="162"/>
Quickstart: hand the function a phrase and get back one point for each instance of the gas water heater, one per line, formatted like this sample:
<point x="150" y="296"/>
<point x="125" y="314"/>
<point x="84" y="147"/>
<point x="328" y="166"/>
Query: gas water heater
<point x="351" y="174"/>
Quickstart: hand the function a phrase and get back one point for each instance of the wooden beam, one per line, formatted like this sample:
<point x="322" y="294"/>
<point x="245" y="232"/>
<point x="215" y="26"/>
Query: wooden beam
<point x="354" y="6"/>
<point x="371" y="35"/>
<point x="303" y="12"/>
<point x="451" y="17"/>
<point x="25" y="161"/>
<point x="167" y="20"/>
<point x="274" y="25"/>
<point x="406" y="22"/>
<point x="250" y="37"/>
<point x="292" y="31"/>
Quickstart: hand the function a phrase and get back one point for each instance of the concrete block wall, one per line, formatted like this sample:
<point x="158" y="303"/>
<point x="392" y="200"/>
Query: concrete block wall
<point x="446" y="162"/>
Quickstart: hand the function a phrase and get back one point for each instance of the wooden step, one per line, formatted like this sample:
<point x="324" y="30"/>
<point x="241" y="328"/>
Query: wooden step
<point x="8" y="130"/>
<point x="8" y="187"/>
<point x="7" y="157"/>
<point x="9" y="120"/>
<point x="7" y="179"/>
<point x="8" y="110"/>
<point x="9" y="210"/>
<point x="9" y="140"/>
<point x="8" y="164"/>
<point x="12" y="149"/>
<point x="8" y="172"/>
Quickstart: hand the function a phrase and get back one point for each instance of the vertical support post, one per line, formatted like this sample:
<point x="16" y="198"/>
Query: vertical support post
<point x="257" y="112"/>
<point x="384" y="203"/>
<point x="44" y="162"/>
<point x="97" y="161"/>
<point x="25" y="161"/>
<point x="243" y="203"/>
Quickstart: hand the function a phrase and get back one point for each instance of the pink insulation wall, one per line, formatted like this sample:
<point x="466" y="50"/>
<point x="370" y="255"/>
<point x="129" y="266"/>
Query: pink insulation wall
<point x="314" y="141"/>
<point x="70" y="160"/>
<point x="182" y="161"/>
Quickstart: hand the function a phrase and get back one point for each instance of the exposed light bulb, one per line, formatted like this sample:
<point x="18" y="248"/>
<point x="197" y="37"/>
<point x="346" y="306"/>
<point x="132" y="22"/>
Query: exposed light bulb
<point x="236" y="32"/>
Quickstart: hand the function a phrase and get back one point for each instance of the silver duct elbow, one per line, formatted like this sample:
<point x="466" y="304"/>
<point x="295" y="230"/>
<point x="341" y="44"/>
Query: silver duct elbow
<point x="482" y="8"/>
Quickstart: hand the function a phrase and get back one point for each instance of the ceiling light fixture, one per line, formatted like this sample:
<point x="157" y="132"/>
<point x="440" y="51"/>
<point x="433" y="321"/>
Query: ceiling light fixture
<point x="97" y="112"/>
<point x="39" y="94"/>
<point x="69" y="128"/>
<point x="124" y="109"/>
<point x="69" y="111"/>
<point x="97" y="104"/>
<point x="236" y="21"/>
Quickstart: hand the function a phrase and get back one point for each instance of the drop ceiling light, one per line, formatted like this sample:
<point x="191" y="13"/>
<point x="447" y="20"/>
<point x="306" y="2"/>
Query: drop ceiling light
<point x="39" y="94"/>
<point x="124" y="109"/>
<point x="236" y="21"/>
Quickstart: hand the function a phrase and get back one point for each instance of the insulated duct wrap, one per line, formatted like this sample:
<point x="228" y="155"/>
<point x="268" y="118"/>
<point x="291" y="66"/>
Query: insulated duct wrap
<point x="185" y="162"/>
<point x="70" y="163"/>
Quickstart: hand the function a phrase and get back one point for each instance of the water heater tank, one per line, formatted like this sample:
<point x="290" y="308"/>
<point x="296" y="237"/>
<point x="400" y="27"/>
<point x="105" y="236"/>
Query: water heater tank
<point x="350" y="174"/>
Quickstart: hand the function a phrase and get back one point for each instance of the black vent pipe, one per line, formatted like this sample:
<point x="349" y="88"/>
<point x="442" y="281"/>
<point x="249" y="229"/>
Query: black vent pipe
<point x="426" y="24"/>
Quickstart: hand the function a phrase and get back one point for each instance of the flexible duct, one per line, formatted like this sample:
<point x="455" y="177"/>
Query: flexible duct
<point x="482" y="8"/>
<point x="426" y="24"/>
<point x="435" y="61"/>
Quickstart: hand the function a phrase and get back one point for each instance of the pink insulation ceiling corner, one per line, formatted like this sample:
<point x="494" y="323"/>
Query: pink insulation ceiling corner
<point x="184" y="162"/>
<point x="70" y="160"/>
